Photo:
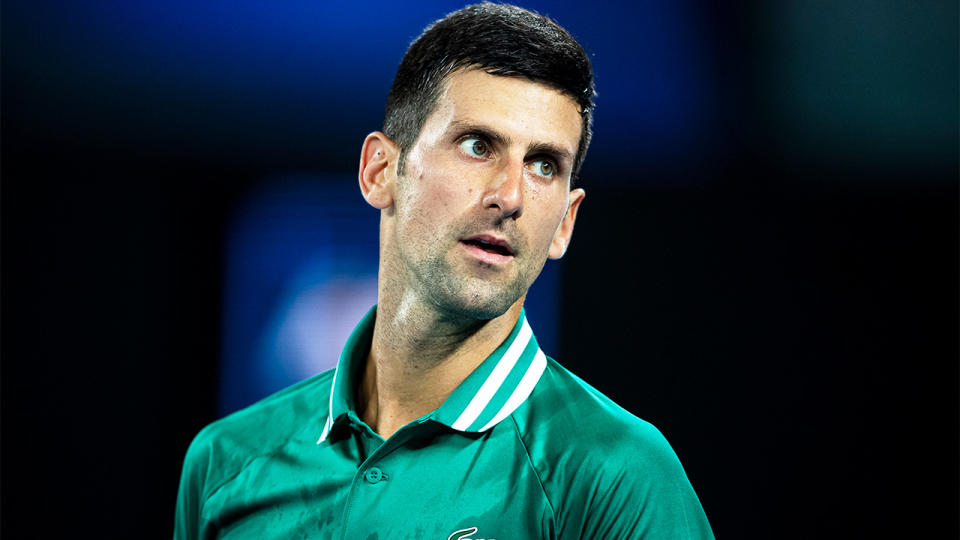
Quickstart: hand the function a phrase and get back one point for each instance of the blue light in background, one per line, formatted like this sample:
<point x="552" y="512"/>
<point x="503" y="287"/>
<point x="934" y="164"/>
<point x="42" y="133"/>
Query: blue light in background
<point x="289" y="78"/>
<point x="301" y="270"/>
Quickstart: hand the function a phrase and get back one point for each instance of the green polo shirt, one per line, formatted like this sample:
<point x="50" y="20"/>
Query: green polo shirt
<point x="521" y="449"/>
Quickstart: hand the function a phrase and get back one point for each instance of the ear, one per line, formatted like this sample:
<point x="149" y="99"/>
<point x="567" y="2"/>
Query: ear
<point x="378" y="159"/>
<point x="561" y="240"/>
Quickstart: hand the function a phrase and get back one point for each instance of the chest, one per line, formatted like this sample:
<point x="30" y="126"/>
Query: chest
<point x="432" y="484"/>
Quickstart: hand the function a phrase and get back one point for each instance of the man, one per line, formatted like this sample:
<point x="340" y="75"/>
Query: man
<point x="443" y="418"/>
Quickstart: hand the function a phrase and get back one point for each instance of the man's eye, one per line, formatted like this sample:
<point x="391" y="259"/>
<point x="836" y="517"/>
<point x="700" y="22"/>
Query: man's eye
<point x="474" y="147"/>
<point x="544" y="167"/>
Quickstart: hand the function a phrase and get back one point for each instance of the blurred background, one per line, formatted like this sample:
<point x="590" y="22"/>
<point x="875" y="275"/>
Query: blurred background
<point x="765" y="267"/>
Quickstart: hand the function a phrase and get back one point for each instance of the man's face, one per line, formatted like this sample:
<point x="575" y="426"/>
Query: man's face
<point x="485" y="196"/>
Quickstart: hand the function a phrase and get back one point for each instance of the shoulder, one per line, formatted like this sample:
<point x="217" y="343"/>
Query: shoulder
<point x="581" y="420"/>
<point x="224" y="447"/>
<point x="606" y="472"/>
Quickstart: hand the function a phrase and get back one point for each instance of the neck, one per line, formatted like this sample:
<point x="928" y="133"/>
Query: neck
<point x="419" y="356"/>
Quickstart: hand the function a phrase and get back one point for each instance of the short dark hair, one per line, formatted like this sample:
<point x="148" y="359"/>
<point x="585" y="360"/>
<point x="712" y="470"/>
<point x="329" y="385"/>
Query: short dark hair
<point x="500" y="39"/>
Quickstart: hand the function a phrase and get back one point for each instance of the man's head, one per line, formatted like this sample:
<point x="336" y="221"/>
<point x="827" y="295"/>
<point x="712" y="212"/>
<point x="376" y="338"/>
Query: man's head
<point x="499" y="39"/>
<point x="479" y="194"/>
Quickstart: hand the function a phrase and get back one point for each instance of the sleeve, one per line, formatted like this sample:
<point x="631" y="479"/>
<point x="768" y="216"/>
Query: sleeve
<point x="639" y="490"/>
<point x="191" y="495"/>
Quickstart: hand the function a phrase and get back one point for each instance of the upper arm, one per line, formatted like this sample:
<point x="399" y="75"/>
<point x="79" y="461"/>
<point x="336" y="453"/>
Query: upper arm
<point x="635" y="487"/>
<point x="191" y="495"/>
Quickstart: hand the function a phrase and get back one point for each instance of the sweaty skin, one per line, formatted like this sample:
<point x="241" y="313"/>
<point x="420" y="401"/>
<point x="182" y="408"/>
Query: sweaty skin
<point x="483" y="201"/>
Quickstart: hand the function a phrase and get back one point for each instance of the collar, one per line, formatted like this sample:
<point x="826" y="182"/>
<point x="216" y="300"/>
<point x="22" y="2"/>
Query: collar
<point x="496" y="388"/>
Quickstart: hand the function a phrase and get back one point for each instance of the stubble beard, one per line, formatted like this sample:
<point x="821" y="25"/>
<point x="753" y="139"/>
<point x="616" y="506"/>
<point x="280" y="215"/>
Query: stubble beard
<point x="448" y="282"/>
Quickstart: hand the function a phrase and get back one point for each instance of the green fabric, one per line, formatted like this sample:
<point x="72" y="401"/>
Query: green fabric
<point x="521" y="449"/>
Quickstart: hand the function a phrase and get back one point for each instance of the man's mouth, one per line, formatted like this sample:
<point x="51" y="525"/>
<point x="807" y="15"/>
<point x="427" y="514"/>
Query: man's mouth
<point x="490" y="244"/>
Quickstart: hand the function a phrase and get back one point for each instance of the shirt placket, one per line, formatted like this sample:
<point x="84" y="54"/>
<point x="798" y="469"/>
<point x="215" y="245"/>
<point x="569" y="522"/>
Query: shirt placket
<point x="372" y="476"/>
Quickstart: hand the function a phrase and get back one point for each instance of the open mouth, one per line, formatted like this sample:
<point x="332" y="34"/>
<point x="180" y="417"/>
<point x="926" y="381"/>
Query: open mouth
<point x="490" y="245"/>
<point x="492" y="248"/>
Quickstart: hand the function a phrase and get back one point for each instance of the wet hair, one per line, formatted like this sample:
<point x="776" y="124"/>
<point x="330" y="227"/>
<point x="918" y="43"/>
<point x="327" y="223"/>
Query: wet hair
<point x="499" y="39"/>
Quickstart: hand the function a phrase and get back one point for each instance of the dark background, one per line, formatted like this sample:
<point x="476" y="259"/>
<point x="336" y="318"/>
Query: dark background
<point x="765" y="266"/>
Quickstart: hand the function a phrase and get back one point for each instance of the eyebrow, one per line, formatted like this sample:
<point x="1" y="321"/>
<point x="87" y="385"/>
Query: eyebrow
<point x="551" y="150"/>
<point x="545" y="148"/>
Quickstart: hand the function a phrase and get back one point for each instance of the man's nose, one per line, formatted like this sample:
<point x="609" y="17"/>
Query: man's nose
<point x="505" y="192"/>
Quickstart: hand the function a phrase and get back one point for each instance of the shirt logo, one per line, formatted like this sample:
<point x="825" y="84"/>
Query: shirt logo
<point x="464" y="534"/>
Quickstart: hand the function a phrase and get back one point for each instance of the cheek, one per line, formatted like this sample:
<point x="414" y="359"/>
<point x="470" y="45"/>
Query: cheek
<point x="554" y="209"/>
<point x="427" y="203"/>
<point x="437" y="199"/>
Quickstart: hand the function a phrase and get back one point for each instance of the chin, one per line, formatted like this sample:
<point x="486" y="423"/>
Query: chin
<point x="485" y="304"/>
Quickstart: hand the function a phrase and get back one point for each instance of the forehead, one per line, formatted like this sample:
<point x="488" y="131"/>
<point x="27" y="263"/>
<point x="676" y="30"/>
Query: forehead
<point x="527" y="112"/>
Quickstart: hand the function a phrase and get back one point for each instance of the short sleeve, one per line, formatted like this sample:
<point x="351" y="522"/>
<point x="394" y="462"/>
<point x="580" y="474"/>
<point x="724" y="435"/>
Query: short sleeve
<point x="639" y="490"/>
<point x="190" y="496"/>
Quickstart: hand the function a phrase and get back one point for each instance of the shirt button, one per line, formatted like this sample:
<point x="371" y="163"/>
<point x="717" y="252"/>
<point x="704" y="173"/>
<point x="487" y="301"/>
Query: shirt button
<point x="373" y="475"/>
